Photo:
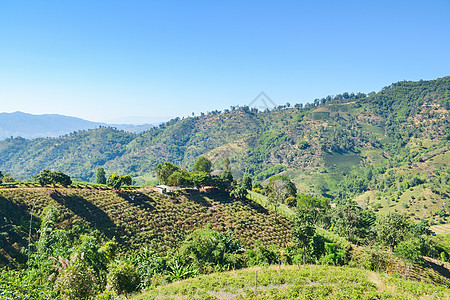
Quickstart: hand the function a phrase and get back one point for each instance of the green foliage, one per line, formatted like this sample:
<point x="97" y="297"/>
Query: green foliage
<point x="239" y="192"/>
<point x="319" y="206"/>
<point x="409" y="250"/>
<point x="179" y="179"/>
<point x="117" y="181"/>
<point x="127" y="180"/>
<point x="303" y="229"/>
<point x="247" y="182"/>
<point x="123" y="277"/>
<point x="350" y="221"/>
<point x="261" y="256"/>
<point x="180" y="270"/>
<point x="163" y="171"/>
<point x="203" y="165"/>
<point x="114" y="181"/>
<point x="45" y="177"/>
<point x="48" y="177"/>
<point x="59" y="177"/>
<point x="208" y="248"/>
<point x="75" y="280"/>
<point x="391" y="229"/>
<point x="100" y="176"/>
<point x="200" y="178"/>
<point x="149" y="264"/>
<point x="333" y="255"/>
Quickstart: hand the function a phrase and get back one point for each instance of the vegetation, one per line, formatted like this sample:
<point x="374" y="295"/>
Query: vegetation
<point x="290" y="282"/>
<point x="352" y="180"/>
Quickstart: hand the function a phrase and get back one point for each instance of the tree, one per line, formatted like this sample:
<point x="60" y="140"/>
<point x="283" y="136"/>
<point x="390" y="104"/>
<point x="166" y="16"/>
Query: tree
<point x="163" y="171"/>
<point x="100" y="176"/>
<point x="391" y="229"/>
<point x="247" y="182"/>
<point x="1" y="177"/>
<point x="45" y="177"/>
<point x="59" y="177"/>
<point x="347" y="220"/>
<point x="280" y="188"/>
<point x="178" y="179"/>
<point x="409" y="251"/>
<point x="303" y="229"/>
<point x="7" y="178"/>
<point x="114" y="181"/>
<point x="226" y="163"/>
<point x="127" y="180"/>
<point x="226" y="180"/>
<point x="202" y="165"/>
<point x="200" y="178"/>
<point x="318" y="206"/>
<point x="48" y="177"/>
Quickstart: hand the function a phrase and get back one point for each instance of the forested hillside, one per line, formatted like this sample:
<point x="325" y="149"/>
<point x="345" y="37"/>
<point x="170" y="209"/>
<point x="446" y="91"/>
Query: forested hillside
<point x="378" y="147"/>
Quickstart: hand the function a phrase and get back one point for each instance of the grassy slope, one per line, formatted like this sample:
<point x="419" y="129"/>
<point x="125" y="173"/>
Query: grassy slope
<point x="135" y="217"/>
<point x="292" y="282"/>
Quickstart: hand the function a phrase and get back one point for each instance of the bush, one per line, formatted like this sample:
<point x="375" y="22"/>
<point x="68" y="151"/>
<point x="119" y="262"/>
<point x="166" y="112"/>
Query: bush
<point x="123" y="277"/>
<point x="75" y="280"/>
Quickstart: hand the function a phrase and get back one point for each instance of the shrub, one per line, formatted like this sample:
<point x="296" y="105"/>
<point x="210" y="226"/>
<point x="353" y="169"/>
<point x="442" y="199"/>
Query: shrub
<point x="123" y="277"/>
<point x="75" y="280"/>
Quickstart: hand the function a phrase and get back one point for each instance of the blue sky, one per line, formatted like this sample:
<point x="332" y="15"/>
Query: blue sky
<point x="137" y="61"/>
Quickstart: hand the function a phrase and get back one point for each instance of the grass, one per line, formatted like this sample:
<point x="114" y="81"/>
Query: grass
<point x="293" y="282"/>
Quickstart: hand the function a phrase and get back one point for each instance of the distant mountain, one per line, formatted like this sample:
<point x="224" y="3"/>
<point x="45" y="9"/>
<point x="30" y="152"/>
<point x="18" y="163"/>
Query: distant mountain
<point x="52" y="125"/>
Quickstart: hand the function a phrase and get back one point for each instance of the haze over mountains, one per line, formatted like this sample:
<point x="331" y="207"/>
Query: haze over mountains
<point x="20" y="124"/>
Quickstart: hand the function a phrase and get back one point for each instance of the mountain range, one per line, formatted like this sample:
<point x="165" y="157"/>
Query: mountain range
<point x="20" y="124"/>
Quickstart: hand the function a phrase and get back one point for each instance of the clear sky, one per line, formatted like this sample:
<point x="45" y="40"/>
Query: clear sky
<point x="123" y="61"/>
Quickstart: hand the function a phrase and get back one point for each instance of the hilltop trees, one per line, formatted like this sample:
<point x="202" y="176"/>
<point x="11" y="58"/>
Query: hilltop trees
<point x="117" y="181"/>
<point x="173" y="175"/>
<point x="48" y="177"/>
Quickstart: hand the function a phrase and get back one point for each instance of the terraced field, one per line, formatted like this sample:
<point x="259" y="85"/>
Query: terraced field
<point x="441" y="229"/>
<point x="134" y="217"/>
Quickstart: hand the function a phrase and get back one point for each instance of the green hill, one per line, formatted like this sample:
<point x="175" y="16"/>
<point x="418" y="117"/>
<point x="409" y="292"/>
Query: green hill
<point x="292" y="282"/>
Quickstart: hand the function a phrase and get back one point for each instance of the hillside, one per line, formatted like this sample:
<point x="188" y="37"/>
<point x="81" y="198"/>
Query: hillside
<point x="135" y="217"/>
<point x="292" y="282"/>
<point x="387" y="150"/>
